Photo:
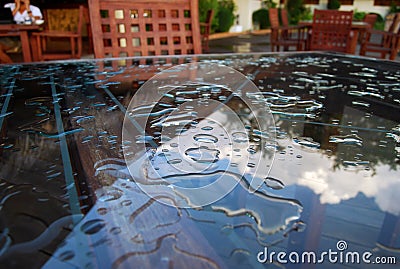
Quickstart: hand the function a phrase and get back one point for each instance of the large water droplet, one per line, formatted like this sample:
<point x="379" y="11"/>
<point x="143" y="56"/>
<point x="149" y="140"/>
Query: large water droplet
<point x="207" y="128"/>
<point x="306" y="142"/>
<point x="240" y="137"/>
<point x="206" y="138"/>
<point x="347" y="140"/>
<point x="174" y="161"/>
<point x="274" y="183"/>
<point x="203" y="154"/>
<point x="110" y="194"/>
<point x="102" y="211"/>
<point x="93" y="226"/>
<point x="67" y="255"/>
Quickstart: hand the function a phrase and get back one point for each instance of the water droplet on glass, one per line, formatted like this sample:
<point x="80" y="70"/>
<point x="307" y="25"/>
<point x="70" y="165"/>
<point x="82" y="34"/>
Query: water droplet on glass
<point x="251" y="165"/>
<point x="306" y="142"/>
<point x="102" y="211"/>
<point x="126" y="203"/>
<point x="206" y="138"/>
<point x="110" y="194"/>
<point x="93" y="226"/>
<point x="115" y="230"/>
<point x="240" y="137"/>
<point x="274" y="183"/>
<point x="174" y="161"/>
<point x="207" y="128"/>
<point x="203" y="154"/>
<point x="66" y="256"/>
<point x="346" y="140"/>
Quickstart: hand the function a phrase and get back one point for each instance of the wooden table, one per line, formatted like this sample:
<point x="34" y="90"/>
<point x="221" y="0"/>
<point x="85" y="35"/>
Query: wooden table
<point x="29" y="46"/>
<point x="357" y="27"/>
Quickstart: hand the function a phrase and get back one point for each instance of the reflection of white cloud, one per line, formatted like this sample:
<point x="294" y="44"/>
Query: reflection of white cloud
<point x="315" y="180"/>
<point x="315" y="171"/>
<point x="321" y="183"/>
<point x="387" y="196"/>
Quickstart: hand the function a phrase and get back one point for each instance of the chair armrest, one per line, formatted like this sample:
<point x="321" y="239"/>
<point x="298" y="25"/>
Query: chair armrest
<point x="385" y="37"/>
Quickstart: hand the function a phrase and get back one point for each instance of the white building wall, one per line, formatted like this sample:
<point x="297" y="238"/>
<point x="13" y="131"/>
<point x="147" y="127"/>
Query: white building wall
<point x="245" y="9"/>
<point x="359" y="5"/>
<point x="367" y="6"/>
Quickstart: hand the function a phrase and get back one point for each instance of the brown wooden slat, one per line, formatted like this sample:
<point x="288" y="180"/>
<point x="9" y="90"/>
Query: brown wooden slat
<point x="158" y="34"/>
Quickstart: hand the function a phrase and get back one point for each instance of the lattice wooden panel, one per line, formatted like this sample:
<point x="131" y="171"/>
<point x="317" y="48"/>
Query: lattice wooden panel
<point x="331" y="30"/>
<point x="62" y="19"/>
<point x="144" y="28"/>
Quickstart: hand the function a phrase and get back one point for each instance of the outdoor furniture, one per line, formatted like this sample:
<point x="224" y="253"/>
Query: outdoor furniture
<point x="23" y="31"/>
<point x="69" y="201"/>
<point x="331" y="31"/>
<point x="4" y="58"/>
<point x="285" y="36"/>
<point x="73" y="51"/>
<point x="358" y="28"/>
<point x="370" y="19"/>
<point x="144" y="27"/>
<point x="205" y="29"/>
<point x="383" y="43"/>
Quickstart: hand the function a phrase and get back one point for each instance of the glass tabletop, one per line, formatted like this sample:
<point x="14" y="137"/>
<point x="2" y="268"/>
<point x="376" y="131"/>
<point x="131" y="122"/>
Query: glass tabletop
<point x="285" y="160"/>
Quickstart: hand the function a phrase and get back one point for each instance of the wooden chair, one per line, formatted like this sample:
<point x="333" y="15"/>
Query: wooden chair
<point x="125" y="28"/>
<point x="383" y="43"/>
<point x="370" y="19"/>
<point x="205" y="29"/>
<point x="284" y="36"/>
<point x="4" y="58"/>
<point x="74" y="37"/>
<point x="331" y="31"/>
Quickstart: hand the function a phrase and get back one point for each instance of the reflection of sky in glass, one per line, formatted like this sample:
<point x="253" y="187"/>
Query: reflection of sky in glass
<point x="342" y="174"/>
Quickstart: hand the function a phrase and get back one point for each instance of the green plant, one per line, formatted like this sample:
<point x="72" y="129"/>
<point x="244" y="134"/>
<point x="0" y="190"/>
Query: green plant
<point x="394" y="8"/>
<point x="359" y="15"/>
<point x="268" y="4"/>
<point x="380" y="22"/>
<point x="333" y="4"/>
<point x="204" y="6"/>
<point x="296" y="11"/>
<point x="225" y="15"/>
<point x="261" y="17"/>
<point x="306" y="15"/>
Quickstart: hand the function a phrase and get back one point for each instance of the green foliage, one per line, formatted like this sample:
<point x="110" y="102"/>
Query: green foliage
<point x="359" y="15"/>
<point x="297" y="11"/>
<point x="204" y="6"/>
<point x="380" y="22"/>
<point x="333" y="4"/>
<point x="307" y="15"/>
<point x="268" y="4"/>
<point x="261" y="17"/>
<point x="394" y="8"/>
<point x="225" y="15"/>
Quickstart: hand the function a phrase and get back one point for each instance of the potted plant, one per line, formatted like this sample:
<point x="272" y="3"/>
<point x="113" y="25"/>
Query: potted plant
<point x="225" y="15"/>
<point x="333" y="4"/>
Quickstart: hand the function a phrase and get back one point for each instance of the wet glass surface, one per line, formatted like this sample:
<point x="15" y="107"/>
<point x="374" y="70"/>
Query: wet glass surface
<point x="73" y="187"/>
